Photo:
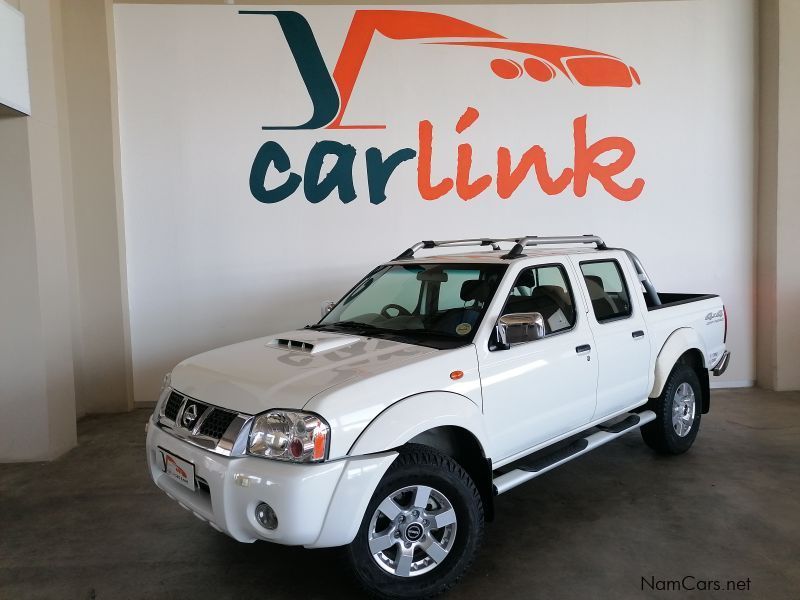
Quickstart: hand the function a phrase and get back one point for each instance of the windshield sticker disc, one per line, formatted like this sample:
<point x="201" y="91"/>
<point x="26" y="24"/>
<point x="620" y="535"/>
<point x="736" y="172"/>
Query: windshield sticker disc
<point x="463" y="328"/>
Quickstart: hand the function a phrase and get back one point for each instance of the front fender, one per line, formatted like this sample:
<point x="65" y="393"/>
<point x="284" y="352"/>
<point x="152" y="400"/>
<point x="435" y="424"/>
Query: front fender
<point x="680" y="341"/>
<point x="415" y="414"/>
<point x="372" y="454"/>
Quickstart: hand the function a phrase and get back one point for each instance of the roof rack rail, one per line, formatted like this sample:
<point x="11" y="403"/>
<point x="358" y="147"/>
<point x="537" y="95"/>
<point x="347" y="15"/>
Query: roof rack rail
<point x="409" y="253"/>
<point x="534" y="240"/>
<point x="515" y="252"/>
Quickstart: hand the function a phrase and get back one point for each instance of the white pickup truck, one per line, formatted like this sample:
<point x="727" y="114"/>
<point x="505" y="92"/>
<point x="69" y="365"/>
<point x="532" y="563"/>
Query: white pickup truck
<point x="432" y="386"/>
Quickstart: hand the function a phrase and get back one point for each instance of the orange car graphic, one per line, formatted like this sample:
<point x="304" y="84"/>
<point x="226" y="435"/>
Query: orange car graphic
<point x="169" y="460"/>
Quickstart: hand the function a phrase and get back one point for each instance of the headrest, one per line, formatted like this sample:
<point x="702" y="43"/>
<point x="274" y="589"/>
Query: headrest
<point x="596" y="279"/>
<point x="595" y="287"/>
<point x="526" y="279"/>
<point x="555" y="292"/>
<point x="474" y="289"/>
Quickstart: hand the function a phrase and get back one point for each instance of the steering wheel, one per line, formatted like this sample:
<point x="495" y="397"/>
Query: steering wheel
<point x="401" y="311"/>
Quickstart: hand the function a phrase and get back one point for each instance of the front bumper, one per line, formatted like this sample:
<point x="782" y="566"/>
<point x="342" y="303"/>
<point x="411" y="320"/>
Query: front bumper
<point x="317" y="505"/>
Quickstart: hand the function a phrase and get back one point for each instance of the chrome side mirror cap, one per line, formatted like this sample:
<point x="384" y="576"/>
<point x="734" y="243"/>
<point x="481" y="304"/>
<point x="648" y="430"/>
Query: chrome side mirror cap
<point x="326" y="307"/>
<point x="515" y="328"/>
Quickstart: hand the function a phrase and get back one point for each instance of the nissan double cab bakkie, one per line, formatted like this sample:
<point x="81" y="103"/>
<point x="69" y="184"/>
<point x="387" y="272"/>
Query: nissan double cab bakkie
<point x="431" y="387"/>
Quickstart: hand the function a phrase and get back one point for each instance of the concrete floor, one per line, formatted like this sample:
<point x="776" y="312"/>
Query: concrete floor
<point x="92" y="525"/>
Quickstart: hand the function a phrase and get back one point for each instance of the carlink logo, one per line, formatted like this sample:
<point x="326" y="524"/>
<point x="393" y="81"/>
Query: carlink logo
<point x="330" y="95"/>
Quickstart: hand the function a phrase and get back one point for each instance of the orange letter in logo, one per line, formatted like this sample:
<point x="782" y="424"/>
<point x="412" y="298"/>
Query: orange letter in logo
<point x="468" y="190"/>
<point x="586" y="164"/>
<point x="508" y="180"/>
<point x="426" y="188"/>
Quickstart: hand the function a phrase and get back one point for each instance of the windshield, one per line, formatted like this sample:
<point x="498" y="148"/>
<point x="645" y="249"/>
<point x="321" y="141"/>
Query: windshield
<point x="431" y="304"/>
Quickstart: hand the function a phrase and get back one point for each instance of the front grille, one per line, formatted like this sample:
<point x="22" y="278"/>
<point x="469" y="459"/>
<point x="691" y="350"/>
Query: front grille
<point x="216" y="423"/>
<point x="182" y="414"/>
<point x="192" y="411"/>
<point x="173" y="406"/>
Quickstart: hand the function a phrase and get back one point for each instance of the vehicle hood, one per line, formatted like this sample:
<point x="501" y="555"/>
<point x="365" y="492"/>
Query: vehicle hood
<point x="286" y="370"/>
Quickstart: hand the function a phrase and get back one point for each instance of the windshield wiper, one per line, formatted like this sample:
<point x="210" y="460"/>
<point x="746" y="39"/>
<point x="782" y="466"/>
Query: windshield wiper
<point x="349" y="325"/>
<point x="357" y="325"/>
<point x="419" y="332"/>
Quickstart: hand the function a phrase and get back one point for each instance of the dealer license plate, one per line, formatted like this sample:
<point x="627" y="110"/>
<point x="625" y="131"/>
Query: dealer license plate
<point x="177" y="468"/>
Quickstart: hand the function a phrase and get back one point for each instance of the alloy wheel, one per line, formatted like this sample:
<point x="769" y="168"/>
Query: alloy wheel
<point x="412" y="531"/>
<point x="683" y="409"/>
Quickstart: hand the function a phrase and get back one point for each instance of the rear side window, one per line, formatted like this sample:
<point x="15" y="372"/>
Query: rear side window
<point x="607" y="289"/>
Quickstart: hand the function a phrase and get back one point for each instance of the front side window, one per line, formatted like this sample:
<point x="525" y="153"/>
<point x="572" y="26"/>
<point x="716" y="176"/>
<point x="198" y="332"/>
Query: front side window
<point x="433" y="304"/>
<point x="607" y="289"/>
<point x="544" y="290"/>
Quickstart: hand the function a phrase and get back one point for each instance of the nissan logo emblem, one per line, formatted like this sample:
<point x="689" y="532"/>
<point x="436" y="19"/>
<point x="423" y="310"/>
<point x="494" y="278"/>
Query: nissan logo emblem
<point x="189" y="416"/>
<point x="413" y="532"/>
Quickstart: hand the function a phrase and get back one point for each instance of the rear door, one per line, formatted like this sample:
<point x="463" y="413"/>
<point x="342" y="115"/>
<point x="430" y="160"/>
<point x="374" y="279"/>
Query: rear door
<point x="620" y="334"/>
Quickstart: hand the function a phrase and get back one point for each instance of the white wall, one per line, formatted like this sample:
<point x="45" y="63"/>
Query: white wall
<point x="102" y="374"/>
<point x="22" y="372"/>
<point x="788" y="215"/>
<point x="37" y="391"/>
<point x="208" y="264"/>
<point x="48" y="137"/>
<point x="779" y="211"/>
<point x="13" y="61"/>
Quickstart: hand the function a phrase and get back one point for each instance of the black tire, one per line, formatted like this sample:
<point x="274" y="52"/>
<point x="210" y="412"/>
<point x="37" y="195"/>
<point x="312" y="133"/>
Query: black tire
<point x="420" y="466"/>
<point x="660" y="434"/>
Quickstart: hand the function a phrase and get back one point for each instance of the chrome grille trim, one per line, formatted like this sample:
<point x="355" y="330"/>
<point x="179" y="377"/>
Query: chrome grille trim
<point x="226" y="444"/>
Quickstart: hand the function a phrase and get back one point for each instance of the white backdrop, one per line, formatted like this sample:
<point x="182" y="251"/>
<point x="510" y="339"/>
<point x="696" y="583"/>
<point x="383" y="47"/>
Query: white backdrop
<point x="208" y="264"/>
<point x="14" y="90"/>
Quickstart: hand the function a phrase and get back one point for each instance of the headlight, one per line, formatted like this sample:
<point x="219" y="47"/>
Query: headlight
<point x="165" y="383"/>
<point x="163" y="394"/>
<point x="289" y="435"/>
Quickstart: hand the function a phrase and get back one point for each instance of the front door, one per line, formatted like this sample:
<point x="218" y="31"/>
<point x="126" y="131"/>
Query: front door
<point x="536" y="391"/>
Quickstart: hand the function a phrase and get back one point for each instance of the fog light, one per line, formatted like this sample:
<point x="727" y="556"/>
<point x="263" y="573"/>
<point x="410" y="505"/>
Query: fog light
<point x="266" y="517"/>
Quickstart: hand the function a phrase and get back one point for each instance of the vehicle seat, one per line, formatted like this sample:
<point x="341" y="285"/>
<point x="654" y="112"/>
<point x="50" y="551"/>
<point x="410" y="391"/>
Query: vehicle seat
<point x="550" y="295"/>
<point x="473" y="290"/>
<point x="547" y="300"/>
<point x="525" y="280"/>
<point x="603" y="304"/>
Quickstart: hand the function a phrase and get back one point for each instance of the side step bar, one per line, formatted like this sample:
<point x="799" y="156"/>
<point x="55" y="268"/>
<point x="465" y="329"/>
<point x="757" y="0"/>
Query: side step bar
<point x="528" y="471"/>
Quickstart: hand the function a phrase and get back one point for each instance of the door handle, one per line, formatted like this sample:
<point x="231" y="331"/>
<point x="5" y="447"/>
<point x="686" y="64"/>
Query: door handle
<point x="583" y="349"/>
<point x="637" y="334"/>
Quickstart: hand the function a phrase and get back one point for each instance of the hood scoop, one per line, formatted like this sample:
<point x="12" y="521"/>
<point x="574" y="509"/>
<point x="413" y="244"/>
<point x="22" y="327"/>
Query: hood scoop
<point x="311" y="342"/>
<point x="293" y="345"/>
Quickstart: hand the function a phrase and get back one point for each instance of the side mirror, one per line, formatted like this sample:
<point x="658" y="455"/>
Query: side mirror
<point x="518" y="327"/>
<point x="326" y="307"/>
